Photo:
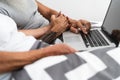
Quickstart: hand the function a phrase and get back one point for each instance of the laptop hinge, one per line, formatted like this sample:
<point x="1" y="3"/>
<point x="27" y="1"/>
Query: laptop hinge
<point x="106" y="35"/>
<point x="112" y="39"/>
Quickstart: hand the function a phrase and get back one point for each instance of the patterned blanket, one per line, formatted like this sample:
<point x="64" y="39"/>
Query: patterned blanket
<point x="101" y="64"/>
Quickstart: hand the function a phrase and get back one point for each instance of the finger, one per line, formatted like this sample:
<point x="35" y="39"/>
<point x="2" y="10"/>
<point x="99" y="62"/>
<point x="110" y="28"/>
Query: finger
<point x="58" y="14"/>
<point x="53" y="17"/>
<point x="74" y="30"/>
<point x="81" y="27"/>
<point x="65" y="27"/>
<point x="66" y="19"/>
<point x="79" y="24"/>
<point x="87" y="24"/>
<point x="62" y="18"/>
<point x="70" y="49"/>
<point x="84" y="30"/>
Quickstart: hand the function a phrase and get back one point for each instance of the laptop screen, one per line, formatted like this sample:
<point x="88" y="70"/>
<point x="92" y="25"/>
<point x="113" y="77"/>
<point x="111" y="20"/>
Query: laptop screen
<point x="112" y="19"/>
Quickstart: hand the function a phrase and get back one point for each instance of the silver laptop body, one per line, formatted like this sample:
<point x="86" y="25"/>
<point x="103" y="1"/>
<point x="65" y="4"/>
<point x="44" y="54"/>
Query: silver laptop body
<point x="98" y="37"/>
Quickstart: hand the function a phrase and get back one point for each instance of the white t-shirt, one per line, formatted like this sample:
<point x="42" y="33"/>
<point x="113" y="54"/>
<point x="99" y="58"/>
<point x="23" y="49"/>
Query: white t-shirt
<point x="11" y="39"/>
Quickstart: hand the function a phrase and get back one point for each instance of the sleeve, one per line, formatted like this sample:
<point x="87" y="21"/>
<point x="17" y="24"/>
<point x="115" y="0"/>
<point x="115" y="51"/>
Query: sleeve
<point x="4" y="11"/>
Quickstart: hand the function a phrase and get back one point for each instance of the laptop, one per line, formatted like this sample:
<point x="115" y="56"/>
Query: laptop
<point x="97" y="37"/>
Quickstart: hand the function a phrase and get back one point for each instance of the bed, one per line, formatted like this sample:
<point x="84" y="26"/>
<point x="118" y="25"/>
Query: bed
<point x="101" y="64"/>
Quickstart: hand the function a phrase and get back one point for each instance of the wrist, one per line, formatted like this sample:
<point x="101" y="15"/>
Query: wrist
<point x="48" y="51"/>
<point x="72" y="22"/>
<point x="49" y="37"/>
<point x="35" y="55"/>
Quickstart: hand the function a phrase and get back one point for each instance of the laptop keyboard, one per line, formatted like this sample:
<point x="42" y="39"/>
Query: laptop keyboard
<point x="94" y="39"/>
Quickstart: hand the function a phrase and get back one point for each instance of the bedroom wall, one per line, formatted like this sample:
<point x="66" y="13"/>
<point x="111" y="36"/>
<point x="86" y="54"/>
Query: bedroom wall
<point x="93" y="10"/>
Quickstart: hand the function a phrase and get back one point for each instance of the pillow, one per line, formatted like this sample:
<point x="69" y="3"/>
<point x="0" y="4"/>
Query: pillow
<point x="101" y="64"/>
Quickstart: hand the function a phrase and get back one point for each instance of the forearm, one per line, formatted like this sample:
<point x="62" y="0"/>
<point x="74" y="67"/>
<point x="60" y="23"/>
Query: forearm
<point x="45" y="11"/>
<point x="10" y="61"/>
<point x="37" y="33"/>
<point x="49" y="37"/>
<point x="52" y="34"/>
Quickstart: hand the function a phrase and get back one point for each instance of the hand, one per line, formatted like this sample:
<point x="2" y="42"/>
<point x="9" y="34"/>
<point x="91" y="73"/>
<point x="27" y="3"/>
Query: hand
<point x="84" y="26"/>
<point x="59" y="23"/>
<point x="57" y="26"/>
<point x="58" y="49"/>
<point x="80" y="25"/>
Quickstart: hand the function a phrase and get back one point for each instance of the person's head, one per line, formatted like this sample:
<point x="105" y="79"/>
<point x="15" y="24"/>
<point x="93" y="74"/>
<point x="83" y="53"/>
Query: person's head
<point x="116" y="36"/>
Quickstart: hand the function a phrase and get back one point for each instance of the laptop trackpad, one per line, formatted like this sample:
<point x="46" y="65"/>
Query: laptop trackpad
<point x="74" y="40"/>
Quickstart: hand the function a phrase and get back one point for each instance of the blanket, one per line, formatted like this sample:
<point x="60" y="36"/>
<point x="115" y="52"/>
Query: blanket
<point x="101" y="64"/>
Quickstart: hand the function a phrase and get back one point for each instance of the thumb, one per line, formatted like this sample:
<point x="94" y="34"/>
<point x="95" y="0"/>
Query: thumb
<point x="53" y="17"/>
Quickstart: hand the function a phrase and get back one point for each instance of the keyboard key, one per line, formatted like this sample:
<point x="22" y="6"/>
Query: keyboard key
<point x="94" y="39"/>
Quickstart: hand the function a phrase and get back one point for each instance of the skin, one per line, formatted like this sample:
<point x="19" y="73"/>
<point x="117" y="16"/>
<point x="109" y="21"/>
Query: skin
<point x="74" y="25"/>
<point x="10" y="61"/>
<point x="57" y="23"/>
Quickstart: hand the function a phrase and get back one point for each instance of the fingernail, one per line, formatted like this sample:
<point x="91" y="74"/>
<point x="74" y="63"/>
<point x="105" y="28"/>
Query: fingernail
<point x="76" y="31"/>
<point x="79" y="29"/>
<point x="85" y="32"/>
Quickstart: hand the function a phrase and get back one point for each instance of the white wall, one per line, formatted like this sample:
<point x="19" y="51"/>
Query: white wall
<point x="93" y="10"/>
